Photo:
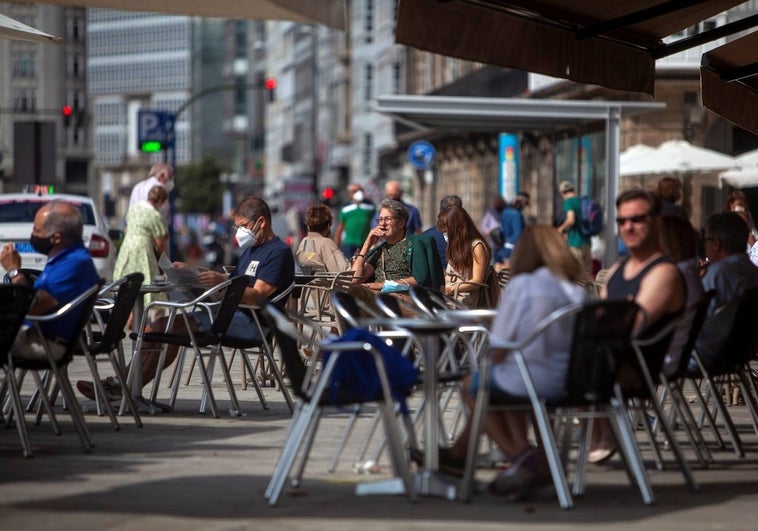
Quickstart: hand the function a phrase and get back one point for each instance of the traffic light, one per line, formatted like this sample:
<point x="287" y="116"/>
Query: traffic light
<point x="328" y="195"/>
<point x="270" y="85"/>
<point x="67" y="112"/>
<point x="151" y="146"/>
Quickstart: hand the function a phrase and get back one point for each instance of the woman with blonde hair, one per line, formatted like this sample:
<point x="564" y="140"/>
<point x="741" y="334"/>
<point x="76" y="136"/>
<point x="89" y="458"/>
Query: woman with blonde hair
<point x="545" y="276"/>
<point x="468" y="256"/>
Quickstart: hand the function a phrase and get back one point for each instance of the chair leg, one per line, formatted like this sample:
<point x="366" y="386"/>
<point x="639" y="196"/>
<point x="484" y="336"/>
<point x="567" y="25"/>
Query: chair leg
<point x="346" y="432"/>
<point x="254" y="380"/>
<point x="287" y="440"/>
<point x="219" y="353"/>
<point x="126" y="392"/>
<point x="42" y="394"/>
<point x="18" y="408"/>
<point x="103" y="402"/>
<point x="75" y="411"/>
<point x="310" y="436"/>
<point x="628" y="443"/>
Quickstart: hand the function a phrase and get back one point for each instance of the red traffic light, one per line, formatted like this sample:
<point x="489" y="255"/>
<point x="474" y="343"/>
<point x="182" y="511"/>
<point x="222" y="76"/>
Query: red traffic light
<point x="270" y="83"/>
<point x="67" y="111"/>
<point x="327" y="194"/>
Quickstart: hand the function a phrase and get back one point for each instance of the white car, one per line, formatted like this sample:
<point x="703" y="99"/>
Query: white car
<point x="17" y="213"/>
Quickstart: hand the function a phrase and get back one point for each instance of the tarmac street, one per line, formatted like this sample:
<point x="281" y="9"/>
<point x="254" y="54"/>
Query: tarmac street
<point x="189" y="471"/>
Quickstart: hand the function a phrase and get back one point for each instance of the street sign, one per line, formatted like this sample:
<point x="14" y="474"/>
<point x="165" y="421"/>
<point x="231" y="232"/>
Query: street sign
<point x="421" y="154"/>
<point x="154" y="130"/>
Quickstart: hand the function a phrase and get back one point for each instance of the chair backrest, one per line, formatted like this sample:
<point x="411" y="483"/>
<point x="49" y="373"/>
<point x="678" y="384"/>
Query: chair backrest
<point x="736" y="321"/>
<point x="388" y="305"/>
<point x="86" y="301"/>
<point x="424" y="301"/>
<point x="680" y="349"/>
<point x="347" y="308"/>
<point x="287" y="338"/>
<point x="15" y="301"/>
<point x="232" y="297"/>
<point x="602" y="335"/>
<point x="128" y="291"/>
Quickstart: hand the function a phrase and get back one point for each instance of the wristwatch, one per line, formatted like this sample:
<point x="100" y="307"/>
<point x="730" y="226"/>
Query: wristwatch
<point x="13" y="273"/>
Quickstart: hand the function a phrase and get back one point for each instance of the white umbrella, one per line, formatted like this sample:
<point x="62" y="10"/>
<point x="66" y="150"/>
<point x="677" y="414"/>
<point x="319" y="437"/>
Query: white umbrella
<point x="741" y="178"/>
<point x="678" y="156"/>
<point x="15" y="30"/>
<point x="633" y="153"/>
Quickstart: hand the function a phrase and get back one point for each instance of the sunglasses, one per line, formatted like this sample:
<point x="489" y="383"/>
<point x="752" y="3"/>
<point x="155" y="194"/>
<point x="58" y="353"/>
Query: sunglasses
<point x="634" y="219"/>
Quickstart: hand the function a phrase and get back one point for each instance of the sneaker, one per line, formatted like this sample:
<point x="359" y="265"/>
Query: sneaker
<point x="528" y="473"/>
<point x="111" y="386"/>
<point x="448" y="464"/>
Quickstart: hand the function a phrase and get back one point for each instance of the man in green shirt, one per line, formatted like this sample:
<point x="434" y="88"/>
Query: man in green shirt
<point x="578" y="242"/>
<point x="354" y="221"/>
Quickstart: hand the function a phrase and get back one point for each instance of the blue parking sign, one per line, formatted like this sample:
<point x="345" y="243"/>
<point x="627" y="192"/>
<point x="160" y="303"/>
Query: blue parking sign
<point x="154" y="126"/>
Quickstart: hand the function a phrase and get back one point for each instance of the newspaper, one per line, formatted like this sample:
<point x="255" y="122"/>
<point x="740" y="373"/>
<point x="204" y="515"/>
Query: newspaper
<point x="184" y="278"/>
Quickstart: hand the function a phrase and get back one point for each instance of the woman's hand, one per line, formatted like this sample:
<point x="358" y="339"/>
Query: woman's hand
<point x="374" y="236"/>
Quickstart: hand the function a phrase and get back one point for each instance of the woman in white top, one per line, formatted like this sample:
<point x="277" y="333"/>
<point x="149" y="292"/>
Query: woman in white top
<point x="317" y="252"/>
<point x="545" y="278"/>
<point x="468" y="256"/>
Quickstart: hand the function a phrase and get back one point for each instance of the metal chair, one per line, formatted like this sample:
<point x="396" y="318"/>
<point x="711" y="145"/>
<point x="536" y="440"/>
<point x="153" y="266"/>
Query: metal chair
<point x="15" y="302"/>
<point x="735" y="322"/>
<point x="265" y="366"/>
<point x="221" y="313"/>
<point x="111" y="317"/>
<point x="58" y="369"/>
<point x="311" y="387"/>
<point x="601" y="330"/>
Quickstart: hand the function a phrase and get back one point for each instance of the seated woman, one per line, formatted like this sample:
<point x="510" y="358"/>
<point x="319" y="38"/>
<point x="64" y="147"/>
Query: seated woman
<point x="468" y="257"/>
<point x="317" y="252"/>
<point x="545" y="276"/>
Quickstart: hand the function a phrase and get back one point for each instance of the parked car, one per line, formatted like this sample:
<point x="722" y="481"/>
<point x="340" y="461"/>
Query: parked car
<point x="17" y="213"/>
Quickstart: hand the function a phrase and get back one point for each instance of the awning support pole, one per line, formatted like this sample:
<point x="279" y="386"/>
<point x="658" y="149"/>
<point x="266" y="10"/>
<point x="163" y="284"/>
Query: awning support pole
<point x="612" y="148"/>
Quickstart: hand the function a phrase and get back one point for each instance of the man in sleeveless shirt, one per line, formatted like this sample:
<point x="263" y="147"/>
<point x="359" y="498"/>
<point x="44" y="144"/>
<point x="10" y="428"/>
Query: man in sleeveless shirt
<point x="647" y="276"/>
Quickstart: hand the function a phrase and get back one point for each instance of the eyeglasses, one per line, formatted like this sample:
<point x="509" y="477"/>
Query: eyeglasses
<point x="379" y="221"/>
<point x="634" y="219"/>
<point x="245" y="224"/>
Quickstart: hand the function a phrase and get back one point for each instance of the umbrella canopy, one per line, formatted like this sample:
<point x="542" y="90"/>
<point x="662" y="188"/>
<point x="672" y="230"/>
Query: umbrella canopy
<point x="678" y="156"/>
<point x="633" y="153"/>
<point x="748" y="159"/>
<point x="15" y="30"/>
<point x="741" y="178"/>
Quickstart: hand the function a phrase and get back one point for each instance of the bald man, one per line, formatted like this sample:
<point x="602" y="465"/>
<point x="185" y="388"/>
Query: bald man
<point x="393" y="190"/>
<point x="69" y="272"/>
<point x="161" y="174"/>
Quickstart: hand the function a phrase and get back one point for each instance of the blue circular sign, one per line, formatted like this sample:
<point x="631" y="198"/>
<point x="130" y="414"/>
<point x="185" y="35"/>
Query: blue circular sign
<point x="421" y="154"/>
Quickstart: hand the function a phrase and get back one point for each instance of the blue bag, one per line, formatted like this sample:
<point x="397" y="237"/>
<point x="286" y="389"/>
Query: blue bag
<point x="591" y="222"/>
<point x="355" y="371"/>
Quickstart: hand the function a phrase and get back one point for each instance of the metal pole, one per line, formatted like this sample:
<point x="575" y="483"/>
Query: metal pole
<point x="612" y="147"/>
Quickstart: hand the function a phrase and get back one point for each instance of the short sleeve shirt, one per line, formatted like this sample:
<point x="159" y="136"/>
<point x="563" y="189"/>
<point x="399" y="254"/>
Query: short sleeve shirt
<point x="574" y="237"/>
<point x="271" y="262"/>
<point x="67" y="275"/>
<point x="356" y="221"/>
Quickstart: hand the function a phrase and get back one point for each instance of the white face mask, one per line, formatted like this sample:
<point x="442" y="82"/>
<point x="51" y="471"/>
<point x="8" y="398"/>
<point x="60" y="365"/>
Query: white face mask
<point x="738" y="208"/>
<point x="444" y="235"/>
<point x="358" y="196"/>
<point x="169" y="185"/>
<point x="246" y="237"/>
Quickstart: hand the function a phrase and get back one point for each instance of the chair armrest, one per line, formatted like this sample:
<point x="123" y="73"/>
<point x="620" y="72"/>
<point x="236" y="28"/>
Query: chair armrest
<point x="63" y="310"/>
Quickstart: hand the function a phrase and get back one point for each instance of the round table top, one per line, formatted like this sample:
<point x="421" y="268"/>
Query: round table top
<point x="156" y="287"/>
<point x="417" y="324"/>
<point x="479" y="316"/>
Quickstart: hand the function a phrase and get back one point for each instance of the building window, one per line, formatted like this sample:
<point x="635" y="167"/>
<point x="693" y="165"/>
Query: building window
<point x="240" y="96"/>
<point x="25" y="100"/>
<point x="240" y="38"/>
<point x="24" y="64"/>
<point x="369" y="92"/>
<point x="368" y="21"/>
<point x="368" y="147"/>
<point x="397" y="78"/>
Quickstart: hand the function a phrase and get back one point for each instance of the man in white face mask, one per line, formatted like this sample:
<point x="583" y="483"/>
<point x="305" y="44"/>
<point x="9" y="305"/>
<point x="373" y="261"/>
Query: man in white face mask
<point x="161" y="174"/>
<point x="354" y="221"/>
<point x="267" y="262"/>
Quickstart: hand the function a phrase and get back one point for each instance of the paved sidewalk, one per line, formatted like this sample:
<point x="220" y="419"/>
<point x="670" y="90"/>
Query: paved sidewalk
<point x="188" y="471"/>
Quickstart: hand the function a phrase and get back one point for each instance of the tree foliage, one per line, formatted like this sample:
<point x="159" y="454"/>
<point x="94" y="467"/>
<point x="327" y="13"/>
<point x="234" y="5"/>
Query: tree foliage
<point x="199" y="187"/>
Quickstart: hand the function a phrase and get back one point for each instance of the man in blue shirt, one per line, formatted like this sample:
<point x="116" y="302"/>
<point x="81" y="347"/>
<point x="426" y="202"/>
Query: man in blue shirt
<point x="435" y="233"/>
<point x="267" y="262"/>
<point x="513" y="224"/>
<point x="69" y="272"/>
<point x="730" y="273"/>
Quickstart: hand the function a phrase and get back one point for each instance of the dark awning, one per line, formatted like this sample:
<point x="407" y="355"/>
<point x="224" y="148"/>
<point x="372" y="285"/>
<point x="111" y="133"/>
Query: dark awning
<point x="613" y="43"/>
<point x="730" y="83"/>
